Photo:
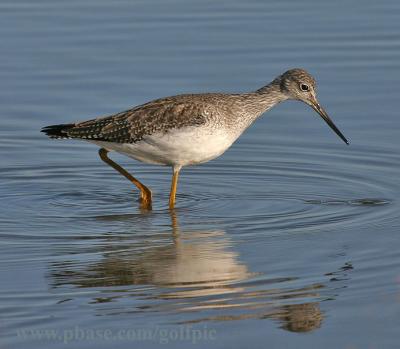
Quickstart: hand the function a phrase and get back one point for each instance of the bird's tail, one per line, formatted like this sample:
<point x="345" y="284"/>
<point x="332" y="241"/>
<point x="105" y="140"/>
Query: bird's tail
<point x="57" y="131"/>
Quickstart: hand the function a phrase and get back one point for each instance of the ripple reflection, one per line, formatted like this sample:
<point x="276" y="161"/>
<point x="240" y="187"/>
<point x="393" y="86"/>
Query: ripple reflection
<point x="198" y="273"/>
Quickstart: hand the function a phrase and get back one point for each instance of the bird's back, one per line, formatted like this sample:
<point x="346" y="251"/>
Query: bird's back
<point x="178" y="130"/>
<point x="160" y="115"/>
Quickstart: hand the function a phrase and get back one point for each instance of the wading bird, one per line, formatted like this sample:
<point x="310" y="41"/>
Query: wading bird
<point x="187" y="129"/>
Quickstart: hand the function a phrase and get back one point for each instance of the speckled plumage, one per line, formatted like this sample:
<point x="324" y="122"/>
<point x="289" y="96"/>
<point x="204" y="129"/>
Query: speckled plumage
<point x="187" y="129"/>
<point x="232" y="111"/>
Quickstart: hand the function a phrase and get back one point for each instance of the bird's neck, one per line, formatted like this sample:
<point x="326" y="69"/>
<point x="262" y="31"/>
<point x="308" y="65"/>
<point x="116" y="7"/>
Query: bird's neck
<point x="258" y="102"/>
<point x="268" y="96"/>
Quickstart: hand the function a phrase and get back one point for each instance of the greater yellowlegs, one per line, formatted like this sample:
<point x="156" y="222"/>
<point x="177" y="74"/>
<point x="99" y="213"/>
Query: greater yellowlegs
<point x="187" y="129"/>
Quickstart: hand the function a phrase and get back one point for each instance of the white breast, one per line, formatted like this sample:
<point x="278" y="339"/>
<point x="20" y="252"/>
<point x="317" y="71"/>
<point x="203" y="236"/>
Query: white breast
<point x="184" y="146"/>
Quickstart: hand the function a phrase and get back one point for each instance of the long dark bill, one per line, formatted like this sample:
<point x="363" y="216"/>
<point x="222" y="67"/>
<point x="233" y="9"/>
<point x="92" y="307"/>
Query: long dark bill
<point x="321" y="111"/>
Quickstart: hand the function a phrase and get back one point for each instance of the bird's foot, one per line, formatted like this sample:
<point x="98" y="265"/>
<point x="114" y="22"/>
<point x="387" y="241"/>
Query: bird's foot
<point x="145" y="199"/>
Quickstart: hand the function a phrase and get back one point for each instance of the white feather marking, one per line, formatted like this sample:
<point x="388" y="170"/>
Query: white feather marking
<point x="184" y="146"/>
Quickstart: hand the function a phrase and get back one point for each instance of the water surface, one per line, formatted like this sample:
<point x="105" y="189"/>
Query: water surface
<point x="290" y="239"/>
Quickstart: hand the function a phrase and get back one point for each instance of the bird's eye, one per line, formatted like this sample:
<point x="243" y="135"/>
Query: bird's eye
<point x="304" y="87"/>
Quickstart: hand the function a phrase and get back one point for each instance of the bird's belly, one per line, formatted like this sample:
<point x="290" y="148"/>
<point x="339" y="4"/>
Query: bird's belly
<point x="184" y="146"/>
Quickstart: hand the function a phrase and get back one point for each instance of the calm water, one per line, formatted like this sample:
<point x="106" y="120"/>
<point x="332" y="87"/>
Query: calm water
<point x="289" y="240"/>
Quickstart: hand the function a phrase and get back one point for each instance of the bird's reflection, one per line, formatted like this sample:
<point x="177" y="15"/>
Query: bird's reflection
<point x="194" y="273"/>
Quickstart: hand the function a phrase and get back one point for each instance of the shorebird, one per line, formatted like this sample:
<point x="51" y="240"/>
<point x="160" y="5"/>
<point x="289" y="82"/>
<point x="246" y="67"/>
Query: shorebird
<point x="187" y="129"/>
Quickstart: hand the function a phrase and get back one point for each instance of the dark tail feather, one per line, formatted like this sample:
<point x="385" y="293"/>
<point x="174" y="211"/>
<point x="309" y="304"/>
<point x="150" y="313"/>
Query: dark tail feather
<point x="57" y="131"/>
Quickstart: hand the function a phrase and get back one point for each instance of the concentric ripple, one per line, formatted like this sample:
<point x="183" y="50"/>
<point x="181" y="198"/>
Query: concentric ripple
<point x="84" y="222"/>
<point x="278" y="190"/>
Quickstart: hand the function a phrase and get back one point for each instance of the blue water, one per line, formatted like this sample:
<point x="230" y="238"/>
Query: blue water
<point x="289" y="240"/>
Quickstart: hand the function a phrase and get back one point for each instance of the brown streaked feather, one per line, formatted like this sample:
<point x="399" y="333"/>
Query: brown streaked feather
<point x="132" y="125"/>
<point x="218" y="110"/>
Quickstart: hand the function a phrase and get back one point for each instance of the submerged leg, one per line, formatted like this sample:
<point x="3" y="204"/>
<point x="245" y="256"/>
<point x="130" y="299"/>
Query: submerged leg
<point x="174" y="185"/>
<point x="145" y="193"/>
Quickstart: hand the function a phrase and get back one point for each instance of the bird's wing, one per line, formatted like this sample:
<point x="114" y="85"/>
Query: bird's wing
<point x="132" y="125"/>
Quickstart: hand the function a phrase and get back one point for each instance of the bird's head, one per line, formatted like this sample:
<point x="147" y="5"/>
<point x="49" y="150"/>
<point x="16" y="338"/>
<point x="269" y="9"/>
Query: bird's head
<point x="298" y="84"/>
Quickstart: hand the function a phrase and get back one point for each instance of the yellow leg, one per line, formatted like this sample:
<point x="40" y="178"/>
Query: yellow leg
<point x="145" y="193"/>
<point x="174" y="185"/>
<point x="174" y="225"/>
